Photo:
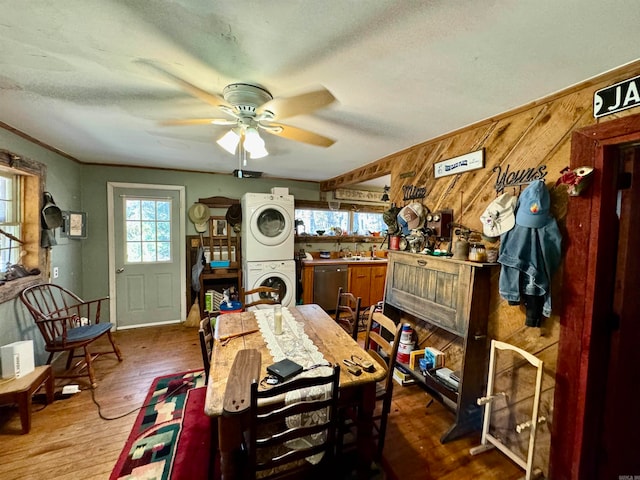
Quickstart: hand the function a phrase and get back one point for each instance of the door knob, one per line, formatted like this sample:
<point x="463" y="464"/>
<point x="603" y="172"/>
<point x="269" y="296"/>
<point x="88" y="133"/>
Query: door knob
<point x="120" y="270"/>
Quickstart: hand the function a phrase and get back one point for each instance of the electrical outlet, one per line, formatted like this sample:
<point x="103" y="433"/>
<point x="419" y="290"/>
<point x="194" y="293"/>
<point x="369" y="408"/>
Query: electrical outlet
<point x="56" y="272"/>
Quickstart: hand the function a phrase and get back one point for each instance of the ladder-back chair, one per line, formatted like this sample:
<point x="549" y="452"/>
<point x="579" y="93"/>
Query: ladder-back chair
<point x="348" y="312"/>
<point x="282" y="439"/>
<point x="205" y="333"/>
<point x="381" y="341"/>
<point x="261" y="296"/>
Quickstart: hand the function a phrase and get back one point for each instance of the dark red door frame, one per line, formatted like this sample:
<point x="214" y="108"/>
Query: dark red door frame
<point x="588" y="282"/>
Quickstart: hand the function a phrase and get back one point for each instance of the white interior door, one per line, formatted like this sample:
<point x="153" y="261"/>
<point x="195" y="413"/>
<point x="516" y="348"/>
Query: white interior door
<point x="146" y="234"/>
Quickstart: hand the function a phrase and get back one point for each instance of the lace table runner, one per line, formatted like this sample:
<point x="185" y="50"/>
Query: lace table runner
<point x="293" y="343"/>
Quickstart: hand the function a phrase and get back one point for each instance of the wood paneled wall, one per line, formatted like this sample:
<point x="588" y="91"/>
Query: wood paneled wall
<point x="538" y="134"/>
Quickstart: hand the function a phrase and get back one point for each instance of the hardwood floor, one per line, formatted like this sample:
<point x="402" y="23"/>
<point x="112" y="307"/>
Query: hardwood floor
<point x="69" y="440"/>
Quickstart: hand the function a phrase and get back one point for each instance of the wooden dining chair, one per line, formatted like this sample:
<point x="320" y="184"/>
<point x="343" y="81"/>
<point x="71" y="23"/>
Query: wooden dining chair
<point x="261" y="296"/>
<point x="348" y="312"/>
<point x="68" y="323"/>
<point x="206" y="344"/>
<point x="381" y="341"/>
<point x="282" y="437"/>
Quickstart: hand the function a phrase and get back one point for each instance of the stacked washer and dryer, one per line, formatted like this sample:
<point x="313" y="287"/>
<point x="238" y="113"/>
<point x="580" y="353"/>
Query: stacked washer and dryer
<point x="268" y="242"/>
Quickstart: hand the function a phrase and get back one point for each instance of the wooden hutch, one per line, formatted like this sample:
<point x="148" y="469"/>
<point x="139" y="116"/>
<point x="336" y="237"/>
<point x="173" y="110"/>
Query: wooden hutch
<point x="223" y="245"/>
<point x="452" y="295"/>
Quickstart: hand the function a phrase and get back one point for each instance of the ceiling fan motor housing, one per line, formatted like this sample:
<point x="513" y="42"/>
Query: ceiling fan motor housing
<point x="246" y="97"/>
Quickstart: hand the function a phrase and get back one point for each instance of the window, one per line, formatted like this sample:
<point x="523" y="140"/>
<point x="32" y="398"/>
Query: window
<point x="9" y="219"/>
<point x="21" y="179"/>
<point x="353" y="223"/>
<point x="368" y="222"/>
<point x="148" y="230"/>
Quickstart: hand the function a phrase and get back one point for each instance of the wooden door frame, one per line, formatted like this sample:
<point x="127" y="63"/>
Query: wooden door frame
<point x="588" y="282"/>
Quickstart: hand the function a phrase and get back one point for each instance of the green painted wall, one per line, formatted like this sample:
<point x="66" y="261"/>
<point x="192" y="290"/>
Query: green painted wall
<point x="197" y="185"/>
<point x="83" y="263"/>
<point x="63" y="181"/>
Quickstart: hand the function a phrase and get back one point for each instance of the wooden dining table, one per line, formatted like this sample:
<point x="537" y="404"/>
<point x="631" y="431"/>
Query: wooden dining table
<point x="237" y="334"/>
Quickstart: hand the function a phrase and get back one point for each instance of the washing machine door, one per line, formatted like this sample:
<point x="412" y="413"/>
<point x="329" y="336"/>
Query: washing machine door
<point x="271" y="225"/>
<point x="275" y="280"/>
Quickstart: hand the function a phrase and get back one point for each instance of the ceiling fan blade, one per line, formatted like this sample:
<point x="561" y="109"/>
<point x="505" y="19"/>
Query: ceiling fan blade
<point x="284" y="107"/>
<point x="200" y="121"/>
<point x="210" y="98"/>
<point x="297" y="134"/>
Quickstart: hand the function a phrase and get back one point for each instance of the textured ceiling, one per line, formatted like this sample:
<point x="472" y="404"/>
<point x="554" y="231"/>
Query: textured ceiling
<point x="402" y="71"/>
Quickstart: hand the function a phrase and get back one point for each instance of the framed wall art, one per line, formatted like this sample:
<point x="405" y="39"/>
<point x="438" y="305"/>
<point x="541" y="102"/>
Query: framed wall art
<point x="218" y="227"/>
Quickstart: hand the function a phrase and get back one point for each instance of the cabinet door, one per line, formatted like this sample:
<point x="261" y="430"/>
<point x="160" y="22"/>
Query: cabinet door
<point x="307" y="284"/>
<point x="360" y="283"/>
<point x="378" y="276"/>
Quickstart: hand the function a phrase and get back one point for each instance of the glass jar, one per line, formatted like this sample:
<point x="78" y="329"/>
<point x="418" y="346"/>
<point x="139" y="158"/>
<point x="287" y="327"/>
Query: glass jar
<point x="477" y="253"/>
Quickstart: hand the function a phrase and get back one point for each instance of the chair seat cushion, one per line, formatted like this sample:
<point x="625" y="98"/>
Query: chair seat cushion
<point x="85" y="332"/>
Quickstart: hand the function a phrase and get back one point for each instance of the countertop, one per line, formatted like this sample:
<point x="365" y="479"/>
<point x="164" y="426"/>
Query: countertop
<point x="345" y="261"/>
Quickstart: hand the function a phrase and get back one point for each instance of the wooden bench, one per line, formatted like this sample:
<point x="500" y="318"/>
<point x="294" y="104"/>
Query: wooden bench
<point x="20" y="391"/>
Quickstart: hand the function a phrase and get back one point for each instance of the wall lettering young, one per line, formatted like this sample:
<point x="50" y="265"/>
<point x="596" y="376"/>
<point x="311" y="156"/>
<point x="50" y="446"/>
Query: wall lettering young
<point x="517" y="177"/>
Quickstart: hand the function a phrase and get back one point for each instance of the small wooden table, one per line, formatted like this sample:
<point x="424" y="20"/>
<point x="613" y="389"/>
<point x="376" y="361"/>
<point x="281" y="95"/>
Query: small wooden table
<point x="331" y="340"/>
<point x="20" y="390"/>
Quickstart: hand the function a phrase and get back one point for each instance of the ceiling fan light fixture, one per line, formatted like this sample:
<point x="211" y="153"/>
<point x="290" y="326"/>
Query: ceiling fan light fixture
<point x="258" y="153"/>
<point x="229" y="141"/>
<point x="254" y="144"/>
<point x="252" y="140"/>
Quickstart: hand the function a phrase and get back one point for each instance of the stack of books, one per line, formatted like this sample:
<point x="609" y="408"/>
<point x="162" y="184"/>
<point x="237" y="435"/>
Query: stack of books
<point x="402" y="376"/>
<point x="414" y="357"/>
<point x="449" y="378"/>
<point x="434" y="358"/>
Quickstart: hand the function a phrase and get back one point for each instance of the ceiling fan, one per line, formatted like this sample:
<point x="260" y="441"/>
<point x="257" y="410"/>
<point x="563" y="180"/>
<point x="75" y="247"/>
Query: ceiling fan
<point x="250" y="107"/>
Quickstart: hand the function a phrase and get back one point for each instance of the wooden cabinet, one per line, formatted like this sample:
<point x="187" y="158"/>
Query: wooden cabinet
<point x="367" y="282"/>
<point x="452" y="295"/>
<point x="307" y="283"/>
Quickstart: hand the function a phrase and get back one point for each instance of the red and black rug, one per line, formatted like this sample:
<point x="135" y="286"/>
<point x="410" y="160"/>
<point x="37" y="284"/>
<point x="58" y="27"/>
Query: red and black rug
<point x="171" y="437"/>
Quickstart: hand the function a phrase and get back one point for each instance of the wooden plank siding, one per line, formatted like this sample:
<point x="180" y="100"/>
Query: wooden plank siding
<point x="535" y="135"/>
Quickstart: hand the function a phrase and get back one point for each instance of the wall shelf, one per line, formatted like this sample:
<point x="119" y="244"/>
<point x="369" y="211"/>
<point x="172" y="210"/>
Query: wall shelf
<point x="340" y="239"/>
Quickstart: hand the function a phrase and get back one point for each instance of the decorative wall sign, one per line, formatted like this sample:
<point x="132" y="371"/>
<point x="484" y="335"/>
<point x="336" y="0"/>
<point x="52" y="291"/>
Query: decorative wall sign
<point x="411" y="192"/>
<point x="362" y="195"/>
<point x="616" y="98"/>
<point x="517" y="177"/>
<point x="463" y="163"/>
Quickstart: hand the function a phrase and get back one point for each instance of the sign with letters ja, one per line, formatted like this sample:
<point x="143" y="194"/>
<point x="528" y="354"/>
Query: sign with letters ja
<point x="616" y="98"/>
